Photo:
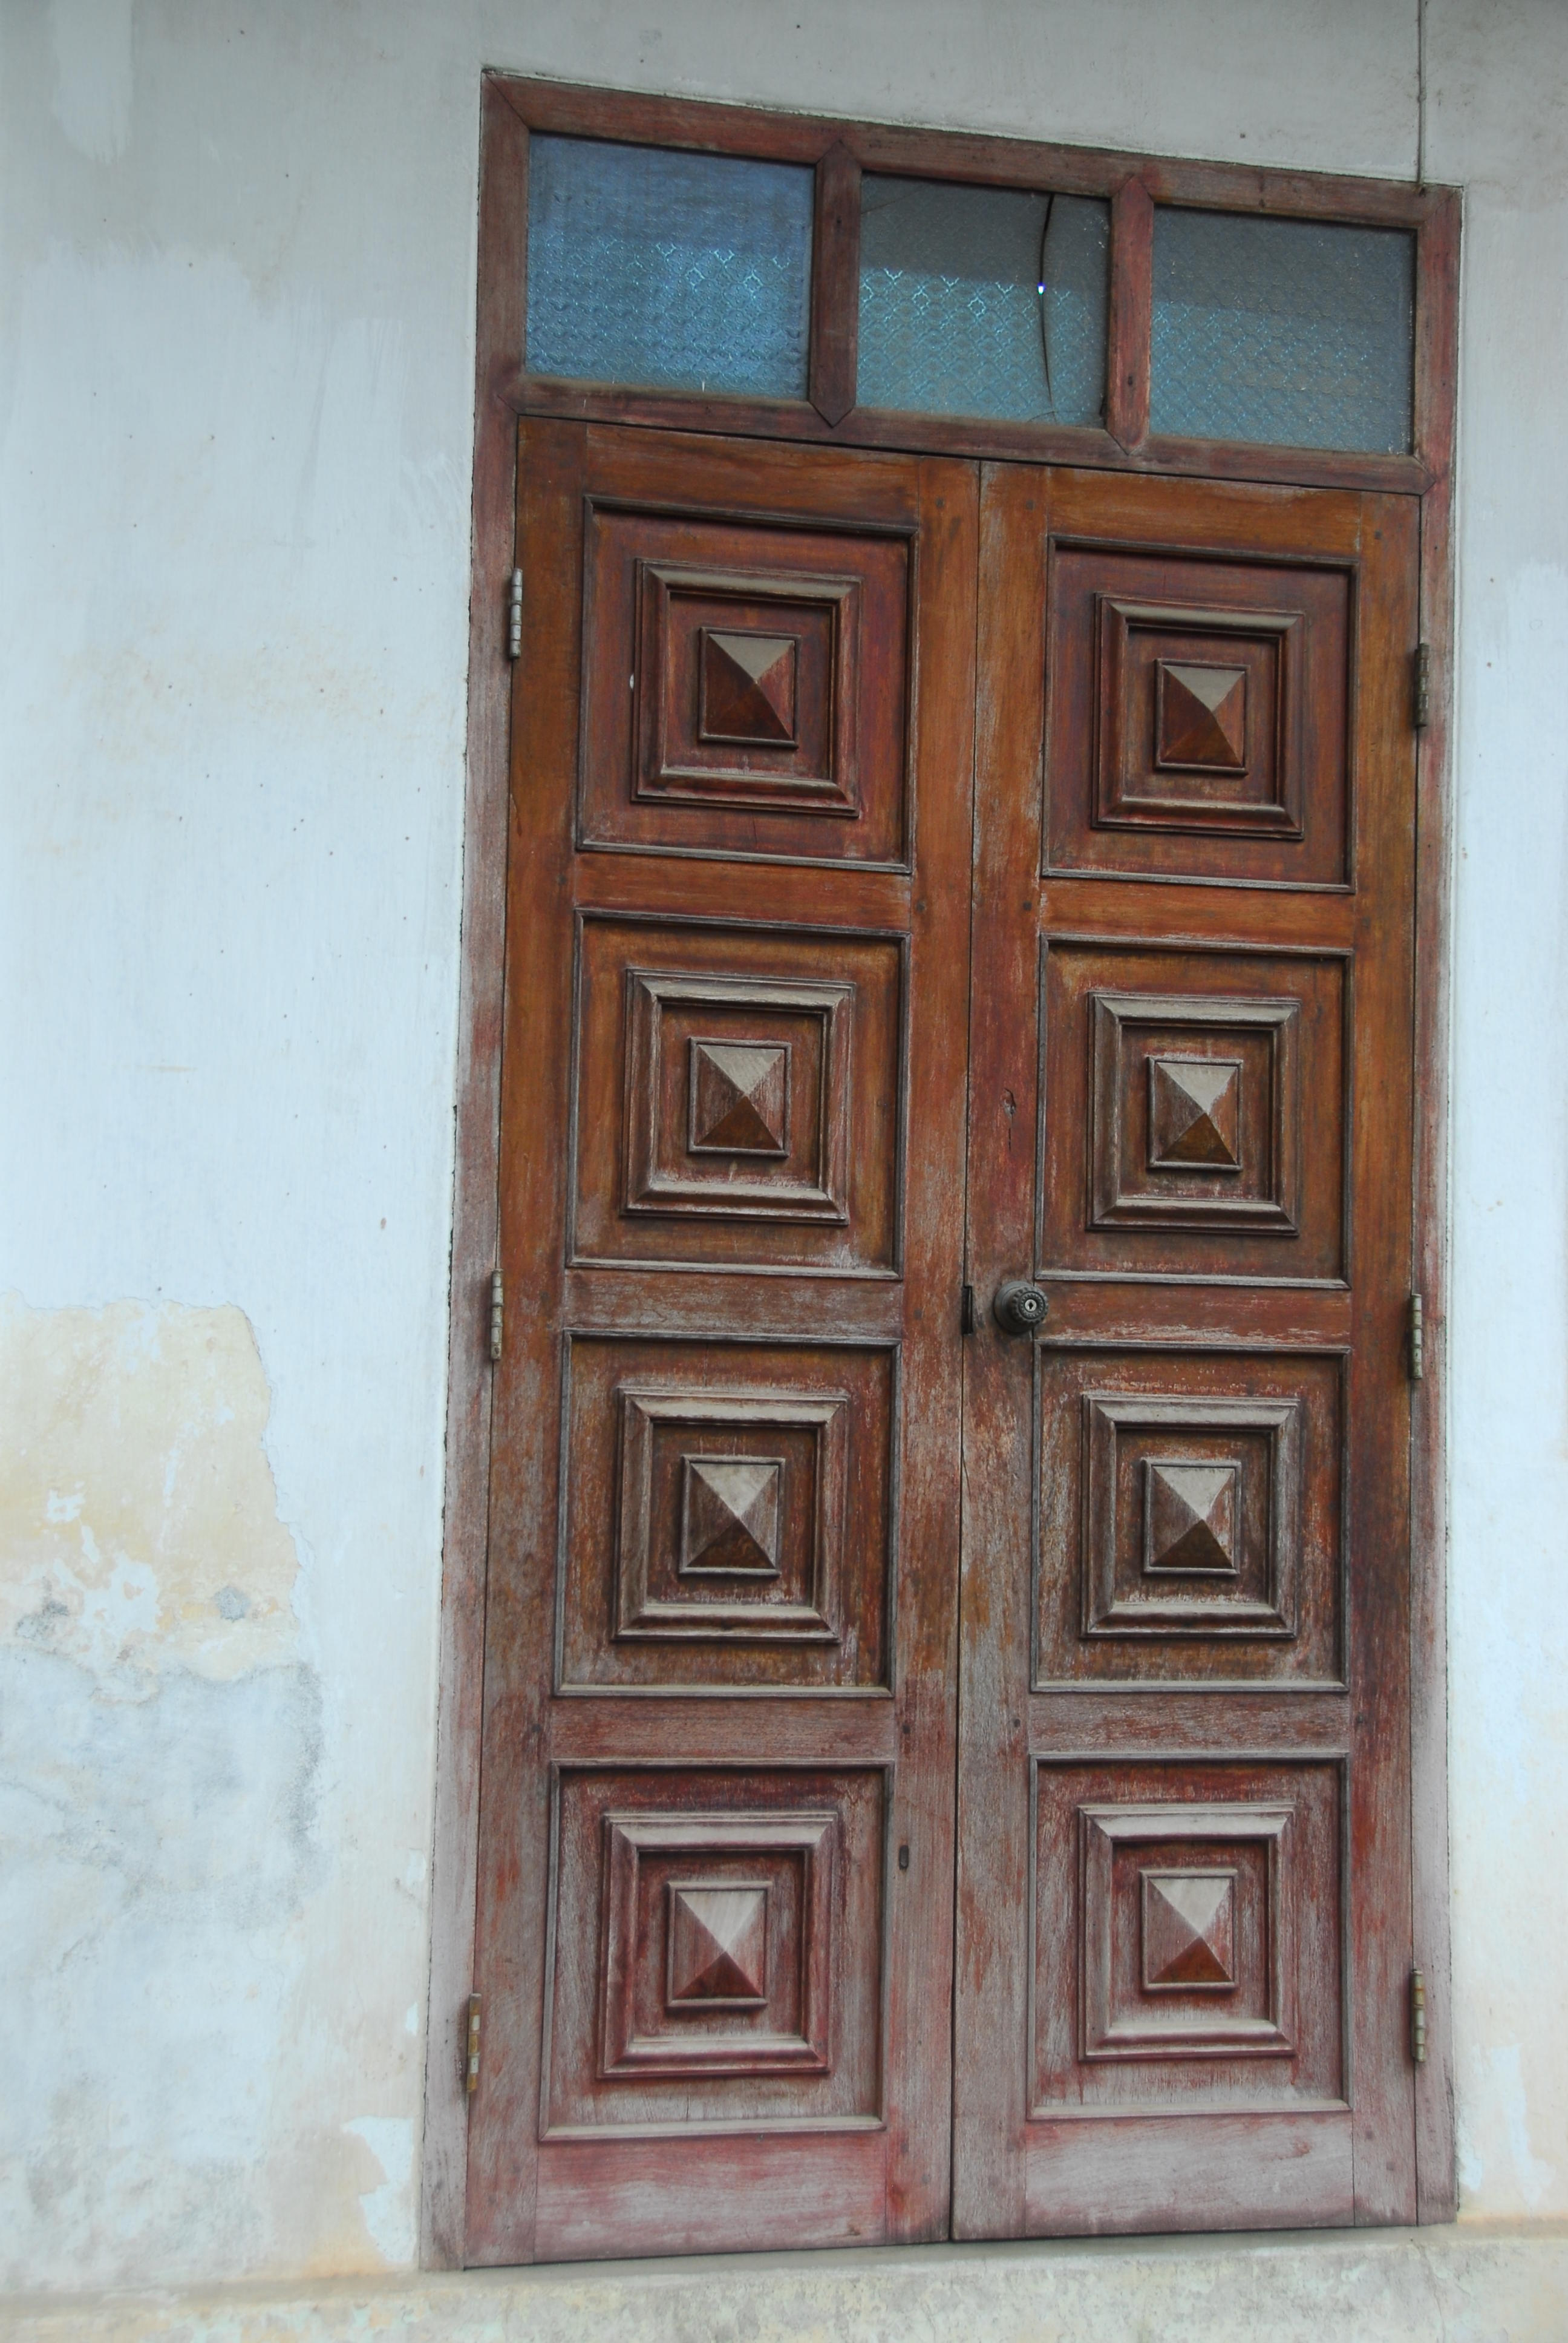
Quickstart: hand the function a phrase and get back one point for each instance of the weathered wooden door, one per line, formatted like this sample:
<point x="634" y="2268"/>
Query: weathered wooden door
<point x="730" y="1700"/>
<point x="1184" y="1915"/>
<point x="715" y="1924"/>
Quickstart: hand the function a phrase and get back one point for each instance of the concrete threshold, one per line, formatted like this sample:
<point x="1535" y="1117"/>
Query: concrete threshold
<point x="1475" y="2283"/>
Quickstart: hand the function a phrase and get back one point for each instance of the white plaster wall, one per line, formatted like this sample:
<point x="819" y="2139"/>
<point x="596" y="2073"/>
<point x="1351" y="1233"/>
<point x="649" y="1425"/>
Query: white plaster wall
<point x="237" y="255"/>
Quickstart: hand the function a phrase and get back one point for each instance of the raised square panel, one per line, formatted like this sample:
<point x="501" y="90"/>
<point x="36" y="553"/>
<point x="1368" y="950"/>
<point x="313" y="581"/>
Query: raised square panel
<point x="1192" y="1113"/>
<point x="739" y="1098"/>
<point x="1191" y="1520"/>
<point x="769" y="670"/>
<point x="731" y="1513"/>
<point x="1198" y="719"/>
<point x="1189" y="1929"/>
<point x="1192" y="1516"/>
<point x="707" y="1113"/>
<point x="1187" y="1933"/>
<point x="739" y="1095"/>
<point x="1184" y="1933"/>
<point x="717" y="1929"/>
<point x="745" y="692"/>
<point x="1196" y="1113"/>
<point x="727" y="1515"/>
<point x="750" y="688"/>
<point x="716" y="1949"/>
<point x="718" y="1938"/>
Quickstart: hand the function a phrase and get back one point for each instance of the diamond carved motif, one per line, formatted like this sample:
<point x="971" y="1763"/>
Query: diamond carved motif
<point x="1193" y="1114"/>
<point x="1189" y="1931"/>
<point x="1202" y="716"/>
<point x="717" y="1945"/>
<point x="748" y="688"/>
<point x="1190" y="1516"/>
<point x="739" y="1098"/>
<point x="729" y="1514"/>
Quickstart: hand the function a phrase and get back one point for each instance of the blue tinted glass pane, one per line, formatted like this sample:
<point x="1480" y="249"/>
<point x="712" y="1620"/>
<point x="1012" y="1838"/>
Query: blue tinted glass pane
<point x="692" y="272"/>
<point x="985" y="301"/>
<point x="1295" y="332"/>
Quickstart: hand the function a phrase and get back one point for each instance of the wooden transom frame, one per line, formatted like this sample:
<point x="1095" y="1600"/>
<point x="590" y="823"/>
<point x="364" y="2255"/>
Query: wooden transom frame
<point x="839" y="151"/>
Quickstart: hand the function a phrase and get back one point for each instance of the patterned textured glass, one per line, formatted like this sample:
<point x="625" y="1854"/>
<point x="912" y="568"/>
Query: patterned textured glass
<point x="1298" y="333"/>
<point x="985" y="301"/>
<point x="685" y="272"/>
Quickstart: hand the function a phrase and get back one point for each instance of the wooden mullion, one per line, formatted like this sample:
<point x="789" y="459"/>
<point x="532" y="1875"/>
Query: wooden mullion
<point x="836" y="284"/>
<point x="1132" y="314"/>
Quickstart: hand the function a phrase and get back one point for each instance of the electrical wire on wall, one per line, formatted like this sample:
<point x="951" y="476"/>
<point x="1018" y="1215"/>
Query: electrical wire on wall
<point x="1044" y="315"/>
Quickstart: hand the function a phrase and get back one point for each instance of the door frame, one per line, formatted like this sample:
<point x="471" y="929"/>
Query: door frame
<point x="838" y="150"/>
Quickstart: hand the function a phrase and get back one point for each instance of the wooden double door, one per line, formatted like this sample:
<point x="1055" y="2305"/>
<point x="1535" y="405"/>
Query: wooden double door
<point x="942" y="1776"/>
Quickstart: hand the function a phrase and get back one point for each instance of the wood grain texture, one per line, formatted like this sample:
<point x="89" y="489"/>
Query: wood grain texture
<point x="1157" y="2172"/>
<point x="503" y="258"/>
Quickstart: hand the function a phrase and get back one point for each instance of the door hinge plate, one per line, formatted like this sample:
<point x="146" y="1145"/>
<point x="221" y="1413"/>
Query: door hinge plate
<point x="1421" y="689"/>
<point x="1417" y="1337"/>
<point x="498" y="1314"/>
<point x="1417" y="2018"/>
<point x="471" y="2050"/>
<point x="515" y="615"/>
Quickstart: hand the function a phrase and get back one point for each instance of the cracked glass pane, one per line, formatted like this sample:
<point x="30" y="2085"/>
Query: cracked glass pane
<point x="681" y="272"/>
<point x="1292" y="333"/>
<point x="985" y="301"/>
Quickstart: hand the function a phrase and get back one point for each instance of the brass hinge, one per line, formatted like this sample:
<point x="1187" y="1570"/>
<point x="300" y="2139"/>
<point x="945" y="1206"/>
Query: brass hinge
<point x="1422" y="687"/>
<point x="1417" y="2017"/>
<point x="1417" y="1340"/>
<point x="498" y="1314"/>
<point x="471" y="2057"/>
<point x="515" y="615"/>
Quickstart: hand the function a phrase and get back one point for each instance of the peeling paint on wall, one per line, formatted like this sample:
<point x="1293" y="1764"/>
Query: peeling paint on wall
<point x="139" y="1521"/>
<point x="160" y="1747"/>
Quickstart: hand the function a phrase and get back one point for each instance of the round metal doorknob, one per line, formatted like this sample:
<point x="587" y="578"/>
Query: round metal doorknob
<point x="1020" y="1307"/>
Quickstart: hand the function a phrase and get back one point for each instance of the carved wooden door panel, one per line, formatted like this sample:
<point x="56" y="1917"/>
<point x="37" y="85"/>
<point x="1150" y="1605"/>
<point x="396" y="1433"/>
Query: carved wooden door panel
<point x="715" y="1919"/>
<point x="1184" y="1919"/>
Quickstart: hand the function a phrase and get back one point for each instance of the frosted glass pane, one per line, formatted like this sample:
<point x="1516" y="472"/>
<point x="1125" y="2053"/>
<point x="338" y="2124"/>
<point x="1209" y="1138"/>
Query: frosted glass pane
<point x="986" y="301"/>
<point x="1298" y="333"/>
<point x="686" y="272"/>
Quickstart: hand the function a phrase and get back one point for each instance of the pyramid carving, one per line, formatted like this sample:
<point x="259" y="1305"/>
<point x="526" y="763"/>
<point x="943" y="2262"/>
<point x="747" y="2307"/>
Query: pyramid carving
<point x="729" y="1516"/>
<point x="717" y="1943"/>
<point x="739" y="1098"/>
<point x="1188" y="1928"/>
<point x="1192" y="1113"/>
<point x="1191" y="1516"/>
<point x="748" y="688"/>
<point x="1203" y="716"/>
